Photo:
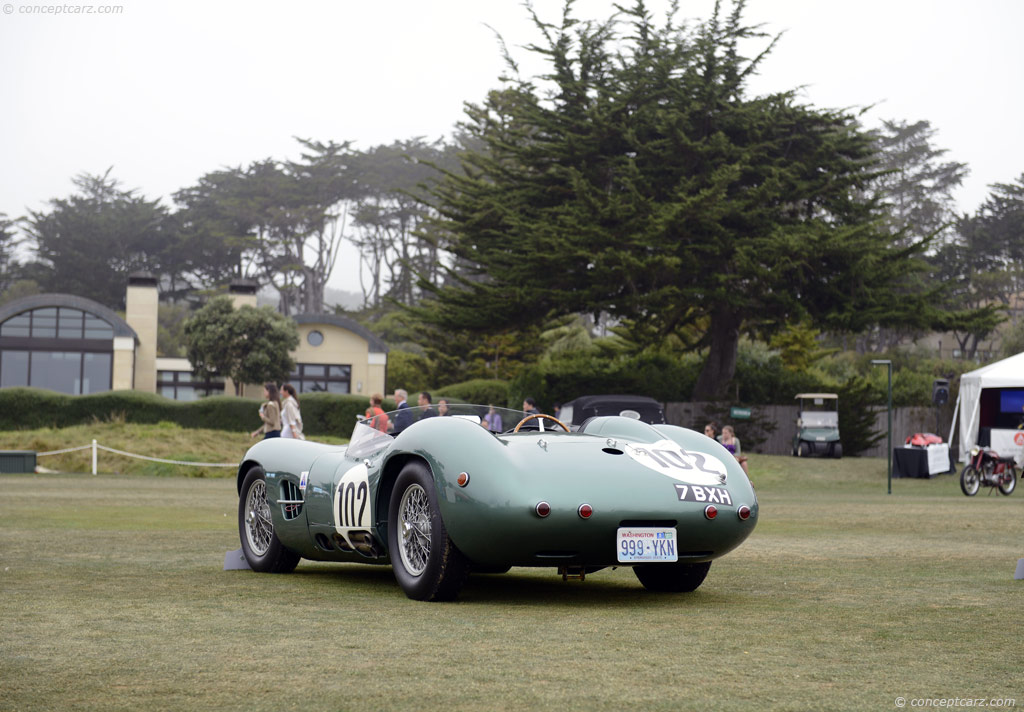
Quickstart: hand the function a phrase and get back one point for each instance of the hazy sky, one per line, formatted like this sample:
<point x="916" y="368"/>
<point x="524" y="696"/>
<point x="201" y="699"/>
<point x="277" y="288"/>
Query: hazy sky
<point x="167" y="91"/>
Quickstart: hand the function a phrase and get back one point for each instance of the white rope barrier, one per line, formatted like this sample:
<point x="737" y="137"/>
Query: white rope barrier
<point x="96" y="446"/>
<point x="61" y="452"/>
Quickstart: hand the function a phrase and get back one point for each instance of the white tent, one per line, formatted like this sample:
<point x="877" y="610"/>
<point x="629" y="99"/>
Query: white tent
<point x="1008" y="373"/>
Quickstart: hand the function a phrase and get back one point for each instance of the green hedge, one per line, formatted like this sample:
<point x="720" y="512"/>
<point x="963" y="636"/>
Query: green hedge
<point x="481" y="391"/>
<point x="29" y="408"/>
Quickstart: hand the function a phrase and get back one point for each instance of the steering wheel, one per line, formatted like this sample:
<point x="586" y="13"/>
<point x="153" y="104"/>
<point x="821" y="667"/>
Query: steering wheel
<point x="540" y="415"/>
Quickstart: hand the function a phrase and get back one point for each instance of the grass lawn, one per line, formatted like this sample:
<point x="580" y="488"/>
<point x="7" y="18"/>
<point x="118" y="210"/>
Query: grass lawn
<point x="167" y="441"/>
<point x="844" y="598"/>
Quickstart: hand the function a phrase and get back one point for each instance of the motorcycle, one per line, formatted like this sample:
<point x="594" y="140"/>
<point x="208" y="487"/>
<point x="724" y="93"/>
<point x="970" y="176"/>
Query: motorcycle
<point x="987" y="468"/>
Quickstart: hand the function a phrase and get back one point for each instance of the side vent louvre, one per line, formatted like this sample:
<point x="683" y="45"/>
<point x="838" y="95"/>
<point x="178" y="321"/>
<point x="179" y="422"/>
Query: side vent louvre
<point x="291" y="499"/>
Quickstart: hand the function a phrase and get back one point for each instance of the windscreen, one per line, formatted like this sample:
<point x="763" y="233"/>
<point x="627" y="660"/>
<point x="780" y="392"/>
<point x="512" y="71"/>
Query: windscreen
<point x="376" y="428"/>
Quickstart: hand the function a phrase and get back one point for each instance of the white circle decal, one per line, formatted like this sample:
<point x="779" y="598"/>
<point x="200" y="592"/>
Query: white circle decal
<point x="668" y="458"/>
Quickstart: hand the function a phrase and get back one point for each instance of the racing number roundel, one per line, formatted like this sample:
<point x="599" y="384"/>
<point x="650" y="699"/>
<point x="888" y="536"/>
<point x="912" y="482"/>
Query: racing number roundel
<point x="352" y="507"/>
<point x="670" y="459"/>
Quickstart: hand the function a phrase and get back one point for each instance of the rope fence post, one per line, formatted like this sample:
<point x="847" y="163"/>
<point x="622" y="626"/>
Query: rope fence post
<point x="96" y="447"/>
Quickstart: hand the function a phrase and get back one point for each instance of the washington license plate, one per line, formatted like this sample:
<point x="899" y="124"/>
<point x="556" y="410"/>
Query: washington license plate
<point x="646" y="544"/>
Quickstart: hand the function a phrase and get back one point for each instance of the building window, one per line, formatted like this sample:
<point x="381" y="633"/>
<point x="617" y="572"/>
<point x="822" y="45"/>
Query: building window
<point x="315" y="338"/>
<point x="59" y="348"/>
<point x="321" y="378"/>
<point x="57" y="323"/>
<point x="182" y="386"/>
<point x="72" y="372"/>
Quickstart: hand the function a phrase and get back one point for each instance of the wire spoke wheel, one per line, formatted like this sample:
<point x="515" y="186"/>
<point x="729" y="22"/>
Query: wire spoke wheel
<point x="427" y="564"/>
<point x="415" y="529"/>
<point x="258" y="526"/>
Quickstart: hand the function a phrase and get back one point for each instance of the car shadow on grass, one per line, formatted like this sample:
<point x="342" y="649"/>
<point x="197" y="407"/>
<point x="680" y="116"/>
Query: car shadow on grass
<point x="520" y="586"/>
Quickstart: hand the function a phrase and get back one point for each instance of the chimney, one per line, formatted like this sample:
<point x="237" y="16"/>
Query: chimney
<point x="141" y="303"/>
<point x="243" y="292"/>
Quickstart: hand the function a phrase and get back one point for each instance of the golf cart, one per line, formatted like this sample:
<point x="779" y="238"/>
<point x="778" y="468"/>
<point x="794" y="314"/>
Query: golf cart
<point x="817" y="426"/>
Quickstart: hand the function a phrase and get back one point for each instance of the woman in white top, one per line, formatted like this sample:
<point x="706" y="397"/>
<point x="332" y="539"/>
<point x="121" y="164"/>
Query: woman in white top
<point x="291" y="417"/>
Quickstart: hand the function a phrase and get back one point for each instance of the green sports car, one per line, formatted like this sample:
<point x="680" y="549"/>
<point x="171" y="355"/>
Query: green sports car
<point x="485" y="489"/>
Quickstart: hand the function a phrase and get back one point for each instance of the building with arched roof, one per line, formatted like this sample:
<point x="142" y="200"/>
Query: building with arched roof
<point x="74" y="345"/>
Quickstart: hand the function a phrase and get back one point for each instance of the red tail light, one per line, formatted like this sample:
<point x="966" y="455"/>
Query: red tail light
<point x="743" y="512"/>
<point x="711" y="511"/>
<point x="543" y="509"/>
<point x="586" y="511"/>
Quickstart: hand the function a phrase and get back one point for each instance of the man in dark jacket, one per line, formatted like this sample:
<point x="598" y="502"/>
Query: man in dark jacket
<point x="425" y="402"/>
<point x="403" y="418"/>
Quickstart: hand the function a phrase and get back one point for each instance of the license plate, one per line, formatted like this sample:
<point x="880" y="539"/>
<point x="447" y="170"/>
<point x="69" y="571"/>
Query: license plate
<point x="700" y="493"/>
<point x="646" y="544"/>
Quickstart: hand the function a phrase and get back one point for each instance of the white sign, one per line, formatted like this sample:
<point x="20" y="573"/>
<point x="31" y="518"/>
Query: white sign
<point x="938" y="459"/>
<point x="1008" y="443"/>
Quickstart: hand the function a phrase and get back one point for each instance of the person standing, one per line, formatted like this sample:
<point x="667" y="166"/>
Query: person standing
<point x="492" y="421"/>
<point x="711" y="431"/>
<point x="425" y="402"/>
<point x="270" y="413"/>
<point x="732" y="443"/>
<point x="291" y="416"/>
<point x="403" y="416"/>
<point x="375" y="413"/>
<point x="530" y="406"/>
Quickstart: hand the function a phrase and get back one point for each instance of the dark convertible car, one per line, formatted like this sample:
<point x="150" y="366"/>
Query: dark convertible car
<point x="647" y="410"/>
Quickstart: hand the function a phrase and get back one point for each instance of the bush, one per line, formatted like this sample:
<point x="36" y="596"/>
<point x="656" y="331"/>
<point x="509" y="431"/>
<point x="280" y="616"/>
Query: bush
<point x="658" y="376"/>
<point x="407" y="370"/>
<point x="333" y="414"/>
<point x="483" y="391"/>
<point x="30" y="408"/>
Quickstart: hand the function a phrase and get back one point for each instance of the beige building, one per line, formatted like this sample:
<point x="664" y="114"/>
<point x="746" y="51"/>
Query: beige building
<point x="75" y="345"/>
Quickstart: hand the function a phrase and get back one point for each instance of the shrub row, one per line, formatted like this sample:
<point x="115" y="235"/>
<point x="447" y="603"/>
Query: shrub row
<point x="28" y="408"/>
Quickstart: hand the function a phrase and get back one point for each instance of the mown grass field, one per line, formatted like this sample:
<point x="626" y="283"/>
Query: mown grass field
<point x="844" y="598"/>
<point x="167" y="441"/>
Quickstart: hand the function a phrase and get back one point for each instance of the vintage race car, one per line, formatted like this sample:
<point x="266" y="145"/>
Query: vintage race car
<point x="447" y="497"/>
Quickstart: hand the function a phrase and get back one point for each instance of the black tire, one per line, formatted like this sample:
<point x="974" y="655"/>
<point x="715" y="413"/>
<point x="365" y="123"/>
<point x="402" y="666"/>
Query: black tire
<point x="1009" y="484"/>
<point x="426" y="562"/>
<point x="970" y="481"/>
<point x="803" y="449"/>
<point x="837" y="451"/>
<point x="672" y="578"/>
<point x="263" y="551"/>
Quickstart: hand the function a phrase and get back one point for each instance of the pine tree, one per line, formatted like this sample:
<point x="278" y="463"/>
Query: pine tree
<point x="637" y="178"/>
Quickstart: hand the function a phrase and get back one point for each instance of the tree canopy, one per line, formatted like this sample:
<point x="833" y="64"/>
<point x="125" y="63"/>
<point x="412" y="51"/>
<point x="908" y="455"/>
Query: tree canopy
<point x="247" y="345"/>
<point x="638" y="178"/>
<point x="88" y="243"/>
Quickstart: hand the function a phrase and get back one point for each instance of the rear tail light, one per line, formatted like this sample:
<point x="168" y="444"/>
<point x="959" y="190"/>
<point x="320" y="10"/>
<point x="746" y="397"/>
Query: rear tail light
<point x="463" y="479"/>
<point x="711" y="511"/>
<point x="543" y="509"/>
<point x="585" y="511"/>
<point x="743" y="512"/>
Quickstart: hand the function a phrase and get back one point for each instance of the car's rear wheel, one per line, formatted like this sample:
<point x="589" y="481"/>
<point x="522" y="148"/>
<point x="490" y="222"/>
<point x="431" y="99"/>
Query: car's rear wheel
<point x="672" y="578"/>
<point x="803" y="449"/>
<point x="837" y="450"/>
<point x="262" y="549"/>
<point x="427" y="564"/>
<point x="970" y="481"/>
